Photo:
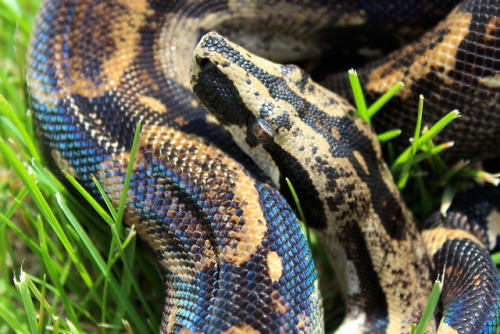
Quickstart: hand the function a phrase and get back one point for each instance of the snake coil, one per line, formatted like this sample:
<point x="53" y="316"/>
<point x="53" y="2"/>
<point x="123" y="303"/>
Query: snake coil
<point x="229" y="246"/>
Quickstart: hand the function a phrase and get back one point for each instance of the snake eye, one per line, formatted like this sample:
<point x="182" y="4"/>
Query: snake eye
<point x="262" y="130"/>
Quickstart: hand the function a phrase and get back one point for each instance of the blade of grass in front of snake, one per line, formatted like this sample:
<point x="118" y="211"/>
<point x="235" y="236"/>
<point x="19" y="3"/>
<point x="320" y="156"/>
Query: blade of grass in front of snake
<point x="106" y="199"/>
<point x="296" y="200"/>
<point x="405" y="172"/>
<point x="428" y="313"/>
<point x="366" y="113"/>
<point x="126" y="251"/>
<point x="117" y="230"/>
<point x="496" y="258"/>
<point x="388" y="135"/>
<point x="425" y="137"/>
<point x="424" y="155"/>
<point x="359" y="98"/>
<point x="317" y="249"/>
<point x="302" y="218"/>
<point x="437" y="127"/>
<point x="381" y="101"/>
<point x="128" y="175"/>
<point x="109" y="219"/>
<point x="127" y="254"/>
<point x="447" y="197"/>
<point x="494" y="179"/>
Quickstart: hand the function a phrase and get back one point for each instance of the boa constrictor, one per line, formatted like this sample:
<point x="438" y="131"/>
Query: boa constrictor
<point x="229" y="246"/>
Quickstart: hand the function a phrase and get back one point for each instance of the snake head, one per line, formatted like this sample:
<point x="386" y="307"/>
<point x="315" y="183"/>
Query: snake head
<point x="267" y="107"/>
<point x="226" y="78"/>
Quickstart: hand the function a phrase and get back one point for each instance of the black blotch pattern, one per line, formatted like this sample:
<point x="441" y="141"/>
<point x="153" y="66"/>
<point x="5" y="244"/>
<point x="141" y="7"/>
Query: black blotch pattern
<point x="219" y="95"/>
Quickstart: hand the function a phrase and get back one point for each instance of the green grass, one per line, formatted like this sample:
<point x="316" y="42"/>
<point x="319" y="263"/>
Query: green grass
<point x="67" y="264"/>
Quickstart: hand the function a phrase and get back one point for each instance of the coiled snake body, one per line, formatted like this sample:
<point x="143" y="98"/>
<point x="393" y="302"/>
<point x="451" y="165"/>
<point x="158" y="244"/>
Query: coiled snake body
<point x="230" y="248"/>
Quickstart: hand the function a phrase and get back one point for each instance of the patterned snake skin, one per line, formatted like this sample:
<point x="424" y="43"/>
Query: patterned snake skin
<point x="230" y="248"/>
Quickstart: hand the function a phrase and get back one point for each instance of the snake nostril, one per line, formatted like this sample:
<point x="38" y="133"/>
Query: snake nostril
<point x="203" y="62"/>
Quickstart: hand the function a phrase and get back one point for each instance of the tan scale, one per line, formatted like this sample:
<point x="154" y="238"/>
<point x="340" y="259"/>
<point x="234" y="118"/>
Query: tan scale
<point x="361" y="161"/>
<point x="493" y="227"/>
<point x="493" y="25"/>
<point x="171" y="318"/>
<point x="275" y="265"/>
<point x="436" y="237"/>
<point x="491" y="81"/>
<point x="243" y="329"/>
<point x="152" y="103"/>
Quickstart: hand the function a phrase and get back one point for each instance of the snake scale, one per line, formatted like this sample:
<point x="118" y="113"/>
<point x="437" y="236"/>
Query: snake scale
<point x="229" y="246"/>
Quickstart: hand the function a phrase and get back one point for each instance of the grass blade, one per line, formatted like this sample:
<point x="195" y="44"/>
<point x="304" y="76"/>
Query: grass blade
<point x="426" y="137"/>
<point x="388" y="135"/>
<point x="128" y="175"/>
<point x="359" y="98"/>
<point x="7" y="112"/>
<point x="429" y="308"/>
<point x="381" y="101"/>
<point x="296" y="200"/>
<point x="405" y="172"/>
<point x="22" y="285"/>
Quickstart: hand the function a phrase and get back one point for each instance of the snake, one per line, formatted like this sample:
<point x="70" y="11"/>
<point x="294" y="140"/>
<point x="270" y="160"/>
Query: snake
<point x="221" y="128"/>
